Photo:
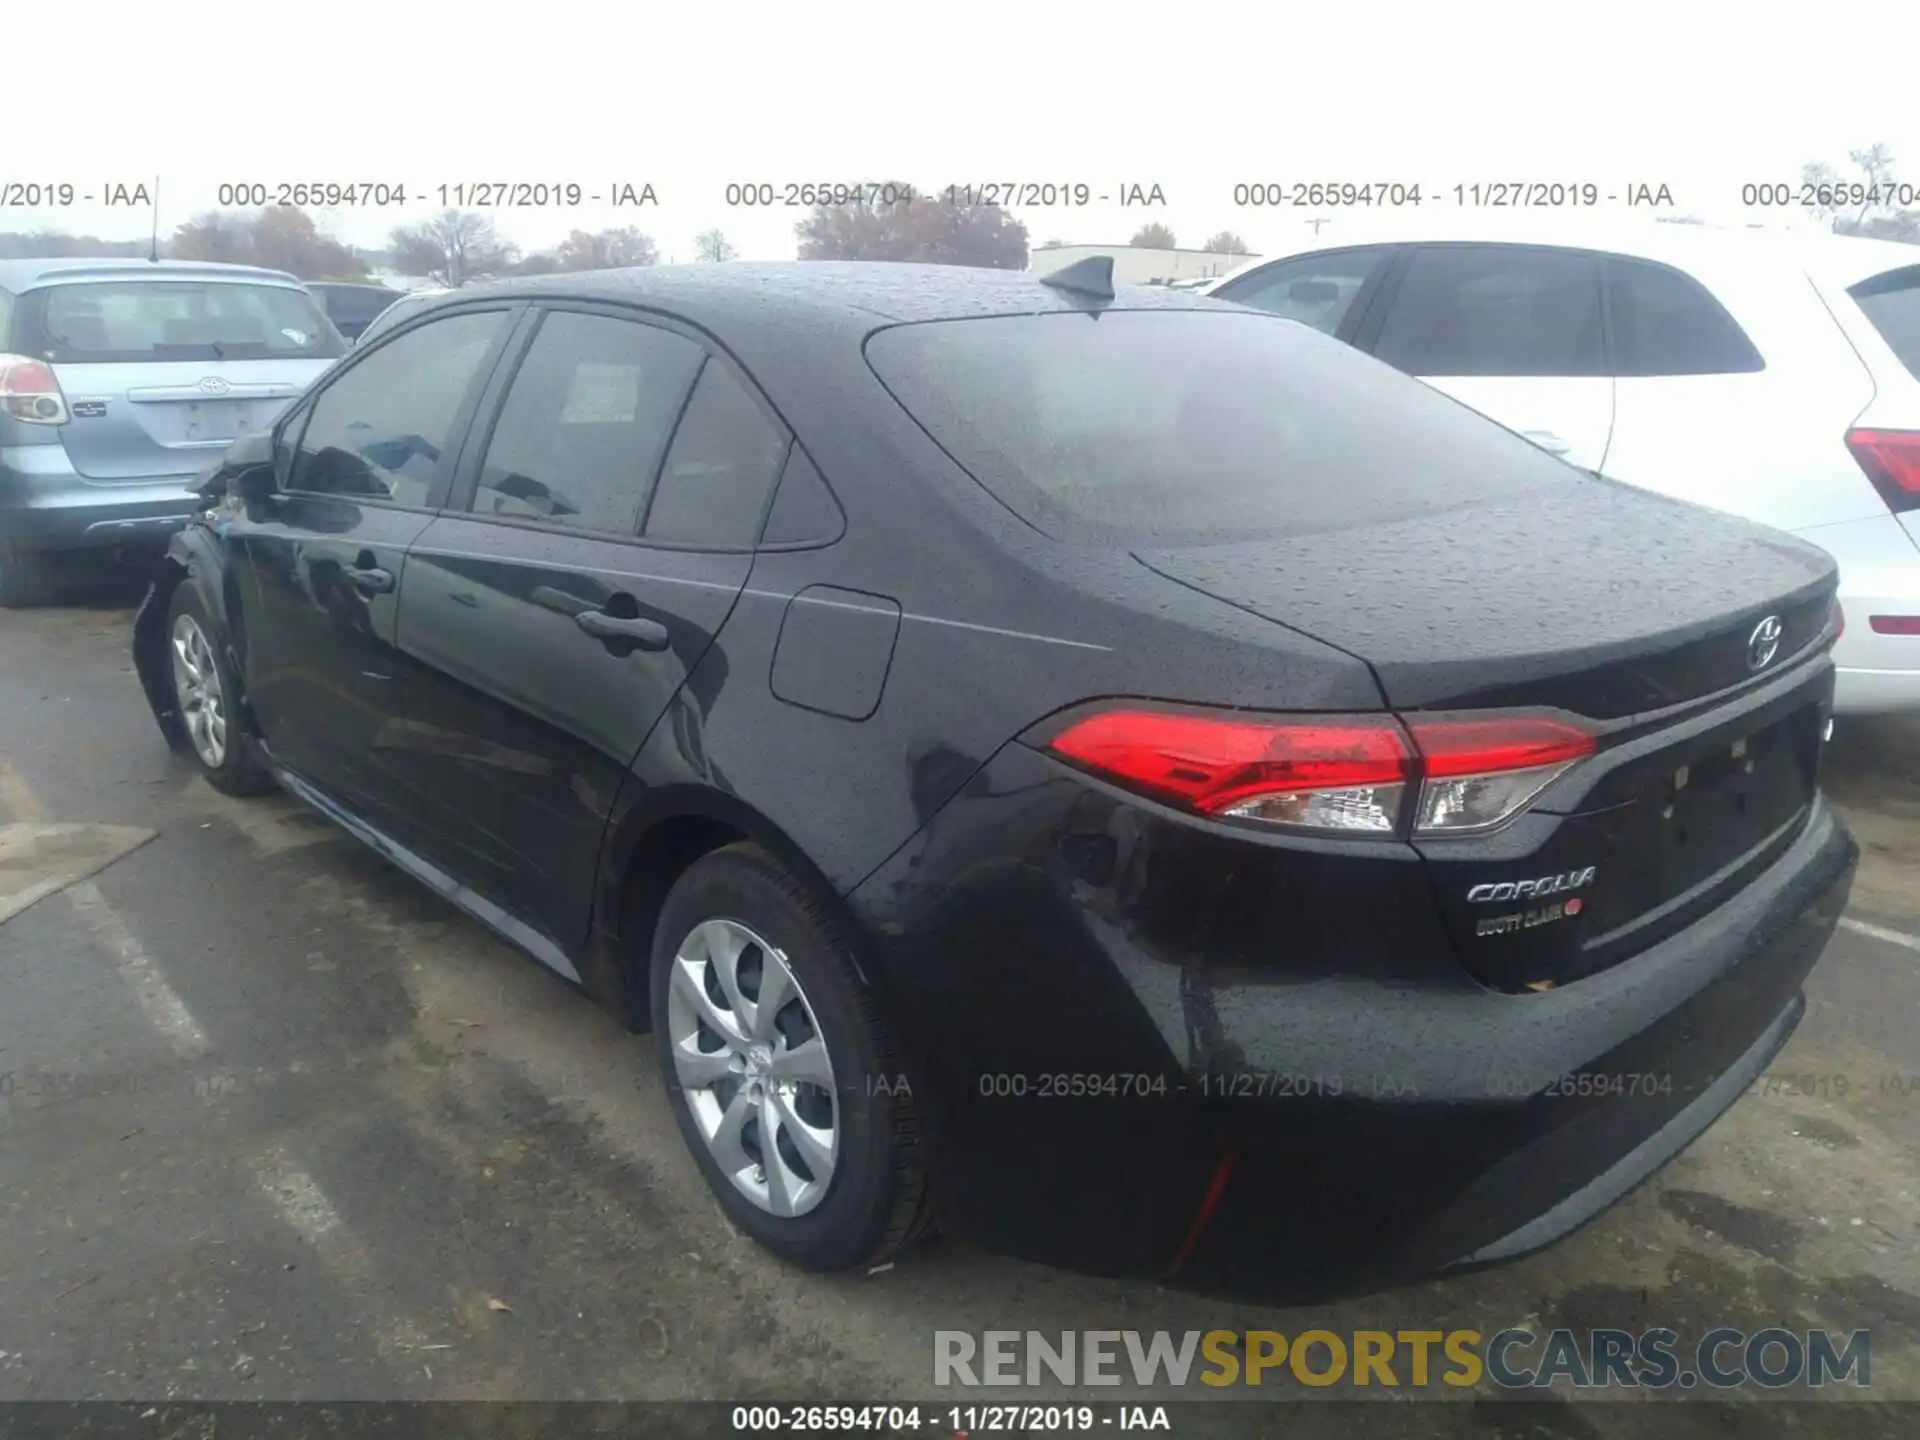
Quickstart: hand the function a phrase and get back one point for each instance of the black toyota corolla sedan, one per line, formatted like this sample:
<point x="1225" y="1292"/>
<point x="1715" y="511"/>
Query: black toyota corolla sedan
<point x="1134" y="776"/>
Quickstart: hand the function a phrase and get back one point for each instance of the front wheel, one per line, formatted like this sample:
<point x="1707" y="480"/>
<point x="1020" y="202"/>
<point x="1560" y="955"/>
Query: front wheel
<point x="781" y="1073"/>
<point x="207" y="696"/>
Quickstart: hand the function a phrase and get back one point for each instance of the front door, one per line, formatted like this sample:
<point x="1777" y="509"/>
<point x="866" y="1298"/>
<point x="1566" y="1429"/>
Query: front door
<point x="364" y="464"/>
<point x="607" y="531"/>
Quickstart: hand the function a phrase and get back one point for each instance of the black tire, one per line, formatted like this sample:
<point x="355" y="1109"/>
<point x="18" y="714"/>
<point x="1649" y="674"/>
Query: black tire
<point x="26" y="577"/>
<point x="241" y="772"/>
<point x="877" y="1201"/>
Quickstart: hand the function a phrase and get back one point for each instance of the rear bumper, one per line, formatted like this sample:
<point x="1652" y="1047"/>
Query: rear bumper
<point x="1359" y="1110"/>
<point x="46" y="505"/>
<point x="1878" y="692"/>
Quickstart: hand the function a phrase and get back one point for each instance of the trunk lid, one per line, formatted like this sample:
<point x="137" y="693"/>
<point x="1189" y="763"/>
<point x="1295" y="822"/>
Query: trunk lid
<point x="1595" y="598"/>
<point x="133" y="422"/>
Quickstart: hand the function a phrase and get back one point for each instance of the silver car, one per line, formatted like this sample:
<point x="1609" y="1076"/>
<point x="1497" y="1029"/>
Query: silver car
<point x="120" y="381"/>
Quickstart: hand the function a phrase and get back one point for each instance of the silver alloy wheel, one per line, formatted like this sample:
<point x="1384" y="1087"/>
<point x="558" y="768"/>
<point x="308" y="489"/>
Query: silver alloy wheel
<point x="196" y="683"/>
<point x="753" y="1067"/>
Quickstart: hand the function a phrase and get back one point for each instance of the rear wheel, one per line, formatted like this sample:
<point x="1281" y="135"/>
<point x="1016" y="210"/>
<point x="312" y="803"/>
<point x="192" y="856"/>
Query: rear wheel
<point x="781" y="1074"/>
<point x="204" y="690"/>
<point x="26" y="576"/>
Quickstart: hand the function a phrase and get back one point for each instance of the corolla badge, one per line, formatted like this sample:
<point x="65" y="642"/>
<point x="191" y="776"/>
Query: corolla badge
<point x="1764" y="643"/>
<point x="1531" y="889"/>
<point x="214" y="385"/>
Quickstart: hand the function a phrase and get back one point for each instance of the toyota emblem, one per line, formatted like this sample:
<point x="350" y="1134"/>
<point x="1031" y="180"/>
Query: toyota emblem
<point x="214" y="385"/>
<point x="1764" y="643"/>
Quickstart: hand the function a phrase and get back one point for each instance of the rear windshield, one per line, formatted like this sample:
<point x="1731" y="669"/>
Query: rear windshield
<point x="1187" y="427"/>
<point x="133" y="320"/>
<point x="1892" y="302"/>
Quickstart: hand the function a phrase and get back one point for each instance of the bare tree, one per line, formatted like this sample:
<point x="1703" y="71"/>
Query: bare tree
<point x="1153" y="237"/>
<point x="919" y="229"/>
<point x="713" y="246"/>
<point x="224" y="236"/>
<point x="453" y="248"/>
<point x="1875" y="164"/>
<point x="1226" y="243"/>
<point x="606" y="250"/>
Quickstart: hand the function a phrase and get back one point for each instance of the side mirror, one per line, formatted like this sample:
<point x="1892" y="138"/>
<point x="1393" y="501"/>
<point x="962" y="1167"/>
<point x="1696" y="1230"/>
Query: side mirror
<point x="255" y="485"/>
<point x="248" y="466"/>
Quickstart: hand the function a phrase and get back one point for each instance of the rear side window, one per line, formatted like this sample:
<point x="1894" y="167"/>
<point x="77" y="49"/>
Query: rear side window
<point x="1317" y="290"/>
<point x="1666" y="323"/>
<point x="1506" y="310"/>
<point x="585" y="422"/>
<point x="1892" y="303"/>
<point x="380" y="430"/>
<point x="1189" y="427"/>
<point x="93" y="322"/>
<point x="725" y="457"/>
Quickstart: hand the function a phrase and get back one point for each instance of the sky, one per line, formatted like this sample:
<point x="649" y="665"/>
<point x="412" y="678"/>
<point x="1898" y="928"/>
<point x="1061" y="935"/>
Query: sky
<point x="1192" y="101"/>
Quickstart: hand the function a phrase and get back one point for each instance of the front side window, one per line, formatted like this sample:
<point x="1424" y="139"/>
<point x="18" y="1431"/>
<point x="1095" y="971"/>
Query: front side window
<point x="1506" y="310"/>
<point x="585" y="422"/>
<point x="1317" y="290"/>
<point x="101" y="322"/>
<point x="382" y="430"/>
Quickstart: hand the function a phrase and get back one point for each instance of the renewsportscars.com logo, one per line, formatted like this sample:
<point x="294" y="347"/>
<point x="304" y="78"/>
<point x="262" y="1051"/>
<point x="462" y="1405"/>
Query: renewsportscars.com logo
<point x="1516" y="1359"/>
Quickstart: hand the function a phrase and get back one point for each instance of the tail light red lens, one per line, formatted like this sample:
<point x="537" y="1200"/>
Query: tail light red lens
<point x="1839" y="619"/>
<point x="30" y="392"/>
<point x="1895" y="624"/>
<point x="1348" y="774"/>
<point x="1334" y="773"/>
<point x="1891" y="459"/>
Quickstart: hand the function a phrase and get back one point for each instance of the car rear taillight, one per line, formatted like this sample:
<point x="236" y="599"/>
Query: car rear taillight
<point x="1895" y="624"/>
<point x="1320" y="773"/>
<point x="1351" y="774"/>
<point x="29" y="391"/>
<point x="1891" y="459"/>
<point x="1839" y="618"/>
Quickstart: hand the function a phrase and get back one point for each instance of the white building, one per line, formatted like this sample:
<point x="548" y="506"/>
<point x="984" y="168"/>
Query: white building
<point x="1137" y="266"/>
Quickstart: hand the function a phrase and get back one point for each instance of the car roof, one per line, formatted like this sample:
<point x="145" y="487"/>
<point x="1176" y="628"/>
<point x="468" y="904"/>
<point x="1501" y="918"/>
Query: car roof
<point x="854" y="295"/>
<point x="354" y="285"/>
<point x="18" y="275"/>
<point x="1845" y="259"/>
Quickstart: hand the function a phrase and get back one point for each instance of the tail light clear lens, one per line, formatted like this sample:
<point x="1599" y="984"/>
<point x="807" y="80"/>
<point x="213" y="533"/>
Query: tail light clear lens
<point x="1348" y="774"/>
<point x="30" y="392"/>
<point x="1891" y="459"/>
<point x="1481" y="772"/>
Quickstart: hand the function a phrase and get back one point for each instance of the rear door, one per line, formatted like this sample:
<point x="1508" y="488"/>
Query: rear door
<point x="602" y="528"/>
<point x="163" y="371"/>
<point x="1515" y="331"/>
<point x="365" y="463"/>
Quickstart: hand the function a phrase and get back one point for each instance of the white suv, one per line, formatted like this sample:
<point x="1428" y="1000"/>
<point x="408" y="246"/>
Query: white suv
<point x="1772" y="374"/>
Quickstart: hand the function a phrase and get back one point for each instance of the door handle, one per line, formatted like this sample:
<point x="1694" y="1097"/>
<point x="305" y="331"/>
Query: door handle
<point x="1548" y="441"/>
<point x="642" y="633"/>
<point x="371" y="580"/>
